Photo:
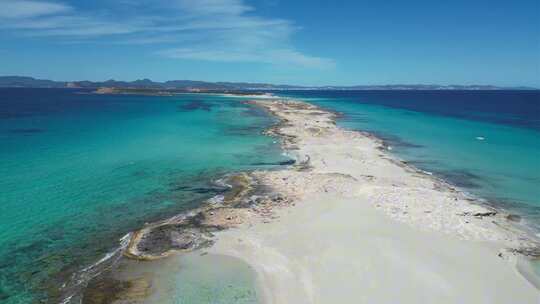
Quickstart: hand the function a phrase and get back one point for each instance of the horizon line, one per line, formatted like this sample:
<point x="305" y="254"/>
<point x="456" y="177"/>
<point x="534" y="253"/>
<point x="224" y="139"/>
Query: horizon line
<point x="277" y="85"/>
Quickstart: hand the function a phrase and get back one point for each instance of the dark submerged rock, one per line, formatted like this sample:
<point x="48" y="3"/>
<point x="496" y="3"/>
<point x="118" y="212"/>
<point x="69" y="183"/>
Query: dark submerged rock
<point x="513" y="217"/>
<point x="175" y="237"/>
<point x="195" y="105"/>
<point x="106" y="290"/>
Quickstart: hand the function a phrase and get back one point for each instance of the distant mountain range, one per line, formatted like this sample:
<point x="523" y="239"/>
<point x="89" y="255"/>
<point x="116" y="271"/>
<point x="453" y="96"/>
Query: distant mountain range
<point x="29" y="82"/>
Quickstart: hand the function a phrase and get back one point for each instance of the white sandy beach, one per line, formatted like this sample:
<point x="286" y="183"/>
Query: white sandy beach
<point x="362" y="227"/>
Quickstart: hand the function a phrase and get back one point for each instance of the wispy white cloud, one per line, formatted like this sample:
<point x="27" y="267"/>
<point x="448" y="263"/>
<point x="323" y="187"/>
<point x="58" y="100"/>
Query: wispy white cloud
<point x="213" y="7"/>
<point x="13" y="9"/>
<point x="210" y="30"/>
<point x="275" y="56"/>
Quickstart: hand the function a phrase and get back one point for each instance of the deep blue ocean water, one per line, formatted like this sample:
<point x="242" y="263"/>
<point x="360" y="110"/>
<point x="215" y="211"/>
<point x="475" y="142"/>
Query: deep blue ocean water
<point x="80" y="170"/>
<point x="486" y="142"/>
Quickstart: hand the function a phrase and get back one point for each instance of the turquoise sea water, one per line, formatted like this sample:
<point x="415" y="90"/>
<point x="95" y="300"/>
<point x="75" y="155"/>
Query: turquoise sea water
<point x="79" y="171"/>
<point x="486" y="142"/>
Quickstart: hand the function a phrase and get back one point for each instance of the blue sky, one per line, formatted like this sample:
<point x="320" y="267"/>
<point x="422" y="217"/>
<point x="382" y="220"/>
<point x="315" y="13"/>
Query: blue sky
<point x="307" y="42"/>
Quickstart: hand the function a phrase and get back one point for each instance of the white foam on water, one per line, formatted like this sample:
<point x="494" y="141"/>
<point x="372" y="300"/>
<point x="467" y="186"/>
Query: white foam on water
<point x="66" y="300"/>
<point x="216" y="199"/>
<point x="480" y="138"/>
<point x="124" y="241"/>
<point x="222" y="182"/>
<point x="83" y="276"/>
<point x="180" y="217"/>
<point x="291" y="154"/>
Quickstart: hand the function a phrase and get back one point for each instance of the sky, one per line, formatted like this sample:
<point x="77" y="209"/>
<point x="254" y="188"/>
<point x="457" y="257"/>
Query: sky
<point x="302" y="42"/>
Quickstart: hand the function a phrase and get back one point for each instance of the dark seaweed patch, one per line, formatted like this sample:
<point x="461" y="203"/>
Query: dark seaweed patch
<point x="244" y="130"/>
<point x="280" y="163"/>
<point x="519" y="207"/>
<point x="254" y="111"/>
<point x="194" y="105"/>
<point x="26" y="131"/>
<point x="3" y="295"/>
<point x="395" y="141"/>
<point x="200" y="185"/>
<point x="422" y="163"/>
<point x="462" y="178"/>
<point x="199" y="190"/>
<point x="140" y="173"/>
<point x="352" y="117"/>
<point x="13" y="115"/>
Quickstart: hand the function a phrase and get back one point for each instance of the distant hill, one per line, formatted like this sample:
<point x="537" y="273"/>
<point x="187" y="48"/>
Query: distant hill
<point x="29" y="82"/>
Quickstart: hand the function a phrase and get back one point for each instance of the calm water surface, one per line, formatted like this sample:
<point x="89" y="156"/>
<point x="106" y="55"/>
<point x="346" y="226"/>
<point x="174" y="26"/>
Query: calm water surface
<point x="79" y="171"/>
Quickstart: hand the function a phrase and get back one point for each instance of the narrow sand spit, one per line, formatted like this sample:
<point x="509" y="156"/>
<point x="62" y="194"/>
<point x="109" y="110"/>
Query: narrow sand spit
<point x="347" y="223"/>
<point x="359" y="226"/>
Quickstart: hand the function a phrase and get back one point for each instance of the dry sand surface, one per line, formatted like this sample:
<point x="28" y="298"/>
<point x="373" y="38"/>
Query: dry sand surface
<point x="363" y="227"/>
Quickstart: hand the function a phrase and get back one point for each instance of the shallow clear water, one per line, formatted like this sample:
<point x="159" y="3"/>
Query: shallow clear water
<point x="487" y="142"/>
<point x="211" y="280"/>
<point x="80" y="170"/>
<point x="195" y="279"/>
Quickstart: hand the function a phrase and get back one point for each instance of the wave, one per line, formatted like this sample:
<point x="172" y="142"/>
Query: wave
<point x="72" y="289"/>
